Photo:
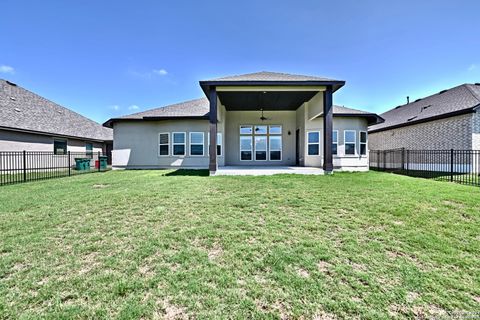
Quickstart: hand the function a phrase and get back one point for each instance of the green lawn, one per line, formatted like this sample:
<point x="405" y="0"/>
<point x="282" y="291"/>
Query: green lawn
<point x="163" y="244"/>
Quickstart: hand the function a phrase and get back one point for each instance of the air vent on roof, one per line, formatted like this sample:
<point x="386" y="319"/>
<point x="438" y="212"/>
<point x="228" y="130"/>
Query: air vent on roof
<point x="477" y="83"/>
<point x="11" y="83"/>
<point x="13" y="98"/>
<point x="418" y="100"/>
<point x="17" y="110"/>
<point x="412" y="118"/>
<point x="425" y="107"/>
<point x="398" y="107"/>
<point x="442" y="91"/>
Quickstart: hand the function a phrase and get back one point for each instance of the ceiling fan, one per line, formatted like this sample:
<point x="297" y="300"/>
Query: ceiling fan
<point x="263" y="118"/>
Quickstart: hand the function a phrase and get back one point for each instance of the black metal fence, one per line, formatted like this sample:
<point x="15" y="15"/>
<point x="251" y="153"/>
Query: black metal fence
<point x="461" y="166"/>
<point x="23" y="166"/>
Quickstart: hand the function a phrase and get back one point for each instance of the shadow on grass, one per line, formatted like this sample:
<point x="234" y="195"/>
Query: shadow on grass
<point x="186" y="172"/>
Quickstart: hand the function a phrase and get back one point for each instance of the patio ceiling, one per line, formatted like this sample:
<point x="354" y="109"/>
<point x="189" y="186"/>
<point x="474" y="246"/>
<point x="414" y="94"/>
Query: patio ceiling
<point x="266" y="100"/>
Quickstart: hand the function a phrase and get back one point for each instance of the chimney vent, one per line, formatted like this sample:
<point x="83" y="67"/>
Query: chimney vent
<point x="408" y="99"/>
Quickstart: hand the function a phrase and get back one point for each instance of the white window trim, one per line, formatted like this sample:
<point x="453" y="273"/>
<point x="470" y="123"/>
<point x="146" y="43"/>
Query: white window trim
<point x="252" y="127"/>
<point x="255" y="147"/>
<point x="221" y="144"/>
<point x="251" y="146"/>
<point x="190" y="144"/>
<point x="335" y="142"/>
<point x="308" y="143"/>
<point x="281" y="147"/>
<point x="345" y="143"/>
<point x="60" y="140"/>
<point x="365" y="143"/>
<point x="184" y="144"/>
<point x="168" y="144"/>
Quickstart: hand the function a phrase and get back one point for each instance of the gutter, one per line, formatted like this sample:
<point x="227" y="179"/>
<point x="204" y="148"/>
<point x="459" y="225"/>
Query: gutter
<point x="109" y="123"/>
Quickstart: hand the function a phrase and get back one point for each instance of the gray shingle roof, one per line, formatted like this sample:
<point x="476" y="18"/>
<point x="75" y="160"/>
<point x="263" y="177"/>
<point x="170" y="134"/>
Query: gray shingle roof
<point x="199" y="108"/>
<point x="456" y="100"/>
<point x="25" y="110"/>
<point x="271" y="76"/>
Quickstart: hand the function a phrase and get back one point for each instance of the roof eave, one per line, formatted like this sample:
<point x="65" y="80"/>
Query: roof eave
<point x="50" y="134"/>
<point x="439" y="117"/>
<point x="206" y="84"/>
<point x="109" y="123"/>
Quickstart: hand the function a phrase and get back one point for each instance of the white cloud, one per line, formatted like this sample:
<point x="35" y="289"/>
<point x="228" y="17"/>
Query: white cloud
<point x="133" y="107"/>
<point x="6" y="69"/>
<point x="161" y="72"/>
<point x="472" y="67"/>
<point x="115" y="107"/>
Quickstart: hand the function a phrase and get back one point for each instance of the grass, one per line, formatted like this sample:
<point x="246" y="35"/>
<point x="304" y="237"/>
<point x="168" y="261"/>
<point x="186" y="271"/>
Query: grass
<point x="163" y="244"/>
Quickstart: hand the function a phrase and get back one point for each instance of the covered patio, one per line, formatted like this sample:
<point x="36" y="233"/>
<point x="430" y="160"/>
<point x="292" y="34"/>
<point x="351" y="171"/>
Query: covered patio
<point x="266" y="170"/>
<point x="269" y="92"/>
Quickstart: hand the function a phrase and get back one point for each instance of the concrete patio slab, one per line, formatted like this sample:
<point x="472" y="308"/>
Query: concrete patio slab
<point x="265" y="170"/>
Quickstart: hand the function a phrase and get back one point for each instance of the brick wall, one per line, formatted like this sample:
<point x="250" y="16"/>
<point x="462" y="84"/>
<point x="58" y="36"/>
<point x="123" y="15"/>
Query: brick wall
<point x="476" y="130"/>
<point x="450" y="133"/>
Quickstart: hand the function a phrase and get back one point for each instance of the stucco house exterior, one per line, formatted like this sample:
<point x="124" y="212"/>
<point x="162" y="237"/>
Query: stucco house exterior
<point x="258" y="119"/>
<point x="29" y="122"/>
<point x="447" y="120"/>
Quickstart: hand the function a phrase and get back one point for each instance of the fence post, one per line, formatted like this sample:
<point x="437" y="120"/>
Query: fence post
<point x="403" y="158"/>
<point x="24" y="165"/>
<point x="98" y="161"/>
<point x="408" y="160"/>
<point x="384" y="160"/>
<point x="451" y="165"/>
<point x="69" y="165"/>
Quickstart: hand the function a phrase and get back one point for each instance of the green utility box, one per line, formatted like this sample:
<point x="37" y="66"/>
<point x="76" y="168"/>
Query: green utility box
<point x="82" y="164"/>
<point x="103" y="162"/>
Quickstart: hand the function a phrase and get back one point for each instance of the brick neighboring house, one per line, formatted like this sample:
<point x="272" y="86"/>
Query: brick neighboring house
<point x="449" y="119"/>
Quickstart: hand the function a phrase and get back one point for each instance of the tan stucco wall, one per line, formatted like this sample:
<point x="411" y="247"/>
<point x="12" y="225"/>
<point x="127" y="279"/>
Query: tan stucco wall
<point x="449" y="133"/>
<point x="19" y="141"/>
<point x="136" y="145"/>
<point x="236" y="118"/>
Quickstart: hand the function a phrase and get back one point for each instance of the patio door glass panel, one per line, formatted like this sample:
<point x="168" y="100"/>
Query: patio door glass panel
<point x="275" y="148"/>
<point x="261" y="148"/>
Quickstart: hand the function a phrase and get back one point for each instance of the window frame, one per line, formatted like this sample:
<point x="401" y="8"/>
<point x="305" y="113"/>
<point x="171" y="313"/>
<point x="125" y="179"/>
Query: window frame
<point x="184" y="144"/>
<point x="66" y="146"/>
<point x="318" y="143"/>
<point x="354" y="143"/>
<point x="365" y="143"/>
<point x="89" y="153"/>
<point x="190" y="144"/>
<point x="275" y="125"/>
<point x="275" y="136"/>
<point x="255" y="146"/>
<point x="260" y="134"/>
<point x="163" y="144"/>
<point x="249" y="136"/>
<point x="245" y="126"/>
<point x="219" y="134"/>
<point x="335" y="142"/>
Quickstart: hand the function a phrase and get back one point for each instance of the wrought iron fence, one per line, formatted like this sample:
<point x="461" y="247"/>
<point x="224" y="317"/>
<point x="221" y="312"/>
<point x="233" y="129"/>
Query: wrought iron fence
<point x="461" y="166"/>
<point x="23" y="166"/>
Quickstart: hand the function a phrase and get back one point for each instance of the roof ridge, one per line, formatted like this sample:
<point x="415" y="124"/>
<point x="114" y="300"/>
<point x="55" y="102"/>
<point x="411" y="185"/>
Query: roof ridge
<point x="165" y="106"/>
<point x="474" y="94"/>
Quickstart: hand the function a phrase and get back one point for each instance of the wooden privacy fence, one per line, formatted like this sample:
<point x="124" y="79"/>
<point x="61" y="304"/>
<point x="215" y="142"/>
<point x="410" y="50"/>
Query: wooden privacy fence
<point x="461" y="166"/>
<point x="23" y="166"/>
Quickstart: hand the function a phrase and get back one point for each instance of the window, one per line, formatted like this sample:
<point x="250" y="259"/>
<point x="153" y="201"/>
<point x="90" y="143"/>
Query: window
<point x="260" y="148"/>
<point x="246" y="130"/>
<point x="178" y="143"/>
<point x="59" y="146"/>
<point x="164" y="144"/>
<point x="219" y="143"/>
<point x="260" y="129"/>
<point x="246" y="148"/>
<point x="363" y="143"/>
<point x="275" y="144"/>
<point x="335" y="142"/>
<point x="350" y="142"/>
<point x="313" y="143"/>
<point x="89" y="149"/>
<point x="196" y="143"/>
<point x="275" y="129"/>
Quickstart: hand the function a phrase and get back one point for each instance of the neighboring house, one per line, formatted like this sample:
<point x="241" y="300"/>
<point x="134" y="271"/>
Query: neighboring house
<point x="449" y="119"/>
<point x="32" y="123"/>
<point x="259" y="119"/>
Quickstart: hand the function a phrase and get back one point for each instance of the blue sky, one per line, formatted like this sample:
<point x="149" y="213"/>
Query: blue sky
<point x="108" y="58"/>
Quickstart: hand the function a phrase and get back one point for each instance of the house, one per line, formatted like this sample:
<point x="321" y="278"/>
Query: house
<point x="258" y="119"/>
<point x="32" y="123"/>
<point x="449" y="119"/>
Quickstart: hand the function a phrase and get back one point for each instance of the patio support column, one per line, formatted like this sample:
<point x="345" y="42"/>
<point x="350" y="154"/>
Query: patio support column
<point x="212" y="96"/>
<point x="328" y="130"/>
